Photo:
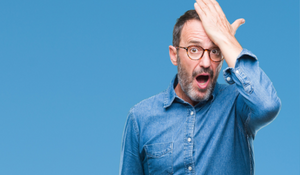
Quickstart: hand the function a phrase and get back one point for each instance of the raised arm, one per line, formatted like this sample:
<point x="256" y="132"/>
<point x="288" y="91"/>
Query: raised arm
<point x="258" y="103"/>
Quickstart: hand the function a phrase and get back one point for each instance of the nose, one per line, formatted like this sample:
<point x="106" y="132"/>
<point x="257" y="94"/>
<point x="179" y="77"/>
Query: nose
<point x="205" y="60"/>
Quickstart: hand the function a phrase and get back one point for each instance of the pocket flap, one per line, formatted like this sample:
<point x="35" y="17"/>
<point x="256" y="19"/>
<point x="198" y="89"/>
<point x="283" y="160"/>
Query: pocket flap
<point x="158" y="149"/>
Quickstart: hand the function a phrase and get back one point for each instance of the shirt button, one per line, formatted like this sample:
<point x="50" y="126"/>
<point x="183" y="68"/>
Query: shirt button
<point x="189" y="139"/>
<point x="192" y="113"/>
<point x="228" y="78"/>
<point x="190" y="168"/>
<point x="237" y="71"/>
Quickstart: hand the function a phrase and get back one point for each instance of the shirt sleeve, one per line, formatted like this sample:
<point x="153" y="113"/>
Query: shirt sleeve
<point x="130" y="162"/>
<point x="257" y="102"/>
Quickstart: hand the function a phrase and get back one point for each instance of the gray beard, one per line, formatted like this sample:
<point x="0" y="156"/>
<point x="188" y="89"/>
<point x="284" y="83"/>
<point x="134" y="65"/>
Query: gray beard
<point x="186" y="82"/>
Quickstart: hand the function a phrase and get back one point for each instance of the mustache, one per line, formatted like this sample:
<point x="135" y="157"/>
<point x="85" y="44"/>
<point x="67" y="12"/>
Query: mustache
<point x="203" y="70"/>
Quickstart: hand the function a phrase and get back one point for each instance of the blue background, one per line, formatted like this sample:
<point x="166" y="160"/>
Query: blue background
<point x="71" y="70"/>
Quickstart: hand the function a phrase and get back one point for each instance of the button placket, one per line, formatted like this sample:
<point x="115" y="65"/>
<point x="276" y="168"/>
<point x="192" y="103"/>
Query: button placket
<point x="188" y="146"/>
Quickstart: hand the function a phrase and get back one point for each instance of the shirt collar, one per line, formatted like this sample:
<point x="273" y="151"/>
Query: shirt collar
<point x="170" y="94"/>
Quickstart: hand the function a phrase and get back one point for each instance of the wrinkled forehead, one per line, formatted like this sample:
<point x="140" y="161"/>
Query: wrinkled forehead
<point x="194" y="33"/>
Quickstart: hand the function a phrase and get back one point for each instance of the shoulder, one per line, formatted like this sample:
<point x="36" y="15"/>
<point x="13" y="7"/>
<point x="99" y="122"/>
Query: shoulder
<point x="153" y="103"/>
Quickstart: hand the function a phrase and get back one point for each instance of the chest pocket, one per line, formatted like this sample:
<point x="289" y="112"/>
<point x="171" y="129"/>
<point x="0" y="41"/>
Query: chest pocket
<point x="159" y="158"/>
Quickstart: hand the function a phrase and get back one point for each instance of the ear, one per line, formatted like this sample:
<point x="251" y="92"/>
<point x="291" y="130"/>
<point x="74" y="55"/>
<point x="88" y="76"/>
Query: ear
<point x="173" y="54"/>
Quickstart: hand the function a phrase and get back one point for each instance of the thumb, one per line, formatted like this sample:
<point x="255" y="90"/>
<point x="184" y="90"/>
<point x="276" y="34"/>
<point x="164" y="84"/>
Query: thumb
<point x="236" y="24"/>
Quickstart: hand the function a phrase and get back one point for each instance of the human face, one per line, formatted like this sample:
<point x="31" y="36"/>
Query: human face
<point x="196" y="78"/>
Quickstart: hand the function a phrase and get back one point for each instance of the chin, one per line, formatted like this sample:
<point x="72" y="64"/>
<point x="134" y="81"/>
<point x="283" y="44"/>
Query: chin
<point x="200" y="96"/>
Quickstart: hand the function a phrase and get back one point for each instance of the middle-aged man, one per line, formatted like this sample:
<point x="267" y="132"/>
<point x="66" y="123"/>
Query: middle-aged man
<point x="198" y="126"/>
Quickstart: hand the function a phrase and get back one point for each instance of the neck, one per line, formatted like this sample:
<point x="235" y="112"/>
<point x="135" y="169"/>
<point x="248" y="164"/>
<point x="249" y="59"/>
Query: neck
<point x="179" y="92"/>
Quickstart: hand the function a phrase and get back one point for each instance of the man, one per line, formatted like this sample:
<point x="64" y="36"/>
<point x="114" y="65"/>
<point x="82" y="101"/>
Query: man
<point x="198" y="126"/>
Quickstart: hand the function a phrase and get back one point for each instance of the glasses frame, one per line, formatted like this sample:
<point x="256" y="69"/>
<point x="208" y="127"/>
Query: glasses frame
<point x="187" y="52"/>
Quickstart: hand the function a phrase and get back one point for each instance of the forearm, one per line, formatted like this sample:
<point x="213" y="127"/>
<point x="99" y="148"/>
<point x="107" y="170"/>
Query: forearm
<point x="230" y="49"/>
<point x="256" y="89"/>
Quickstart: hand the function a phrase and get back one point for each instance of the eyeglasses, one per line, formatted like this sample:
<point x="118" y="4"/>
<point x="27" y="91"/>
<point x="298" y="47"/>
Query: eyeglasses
<point x="195" y="52"/>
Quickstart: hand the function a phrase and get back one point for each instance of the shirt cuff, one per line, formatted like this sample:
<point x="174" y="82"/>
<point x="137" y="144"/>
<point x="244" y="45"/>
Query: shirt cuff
<point x="227" y="73"/>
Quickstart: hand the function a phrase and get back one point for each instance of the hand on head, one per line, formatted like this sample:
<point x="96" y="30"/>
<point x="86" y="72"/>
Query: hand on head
<point x="214" y="20"/>
<point x="219" y="30"/>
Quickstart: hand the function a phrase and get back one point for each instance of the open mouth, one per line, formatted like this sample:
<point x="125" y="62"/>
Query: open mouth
<point x="202" y="80"/>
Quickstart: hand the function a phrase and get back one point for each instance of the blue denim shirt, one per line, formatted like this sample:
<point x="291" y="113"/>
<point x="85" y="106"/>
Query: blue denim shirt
<point x="166" y="135"/>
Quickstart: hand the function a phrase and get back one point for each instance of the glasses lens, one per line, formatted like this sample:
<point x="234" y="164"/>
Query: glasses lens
<point x="216" y="55"/>
<point x="195" y="52"/>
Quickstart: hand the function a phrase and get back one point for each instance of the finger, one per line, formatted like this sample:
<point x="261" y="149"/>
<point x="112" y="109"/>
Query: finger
<point x="203" y="6"/>
<point x="212" y="5"/>
<point x="211" y="9"/>
<point x="236" y="24"/>
<point x="199" y="10"/>
<point x="215" y="9"/>
<point x="209" y="4"/>
<point x="218" y="7"/>
<point x="220" y="12"/>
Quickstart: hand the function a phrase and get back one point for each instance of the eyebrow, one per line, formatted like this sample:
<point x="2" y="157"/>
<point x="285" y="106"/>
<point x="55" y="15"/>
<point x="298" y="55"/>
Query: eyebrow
<point x="195" y="42"/>
<point x="198" y="42"/>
